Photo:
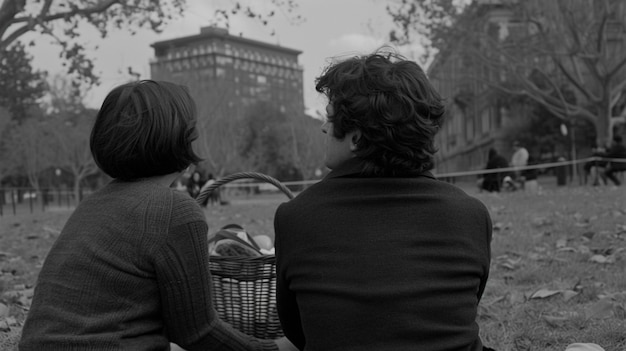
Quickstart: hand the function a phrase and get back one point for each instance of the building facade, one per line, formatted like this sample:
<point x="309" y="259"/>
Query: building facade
<point x="493" y="95"/>
<point x="228" y="76"/>
<point x="474" y="121"/>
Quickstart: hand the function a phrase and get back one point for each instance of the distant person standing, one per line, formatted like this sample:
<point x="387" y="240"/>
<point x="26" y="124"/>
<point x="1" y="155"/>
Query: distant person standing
<point x="194" y="184"/>
<point x="519" y="160"/>
<point x="531" y="184"/>
<point x="493" y="181"/>
<point x="616" y="151"/>
<point x="595" y="169"/>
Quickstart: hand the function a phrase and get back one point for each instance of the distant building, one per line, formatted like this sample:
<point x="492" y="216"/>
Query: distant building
<point x="478" y="117"/>
<point x="474" y="121"/>
<point x="227" y="74"/>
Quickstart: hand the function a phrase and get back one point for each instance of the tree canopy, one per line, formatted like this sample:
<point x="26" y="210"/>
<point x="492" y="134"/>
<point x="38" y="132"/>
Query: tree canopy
<point x="20" y="85"/>
<point x="567" y="55"/>
<point x="62" y="21"/>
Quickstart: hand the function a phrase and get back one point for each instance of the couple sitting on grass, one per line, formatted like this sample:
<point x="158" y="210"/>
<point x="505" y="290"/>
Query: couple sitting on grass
<point x="379" y="255"/>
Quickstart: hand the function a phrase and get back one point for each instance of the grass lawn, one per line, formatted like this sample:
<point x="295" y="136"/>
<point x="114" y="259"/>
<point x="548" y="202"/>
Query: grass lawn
<point x="558" y="273"/>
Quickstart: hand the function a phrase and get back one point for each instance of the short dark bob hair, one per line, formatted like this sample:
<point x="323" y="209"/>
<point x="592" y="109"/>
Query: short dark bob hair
<point x="392" y="102"/>
<point x="145" y="129"/>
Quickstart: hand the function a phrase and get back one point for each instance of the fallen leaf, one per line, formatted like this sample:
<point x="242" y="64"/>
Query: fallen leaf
<point x="584" y="347"/>
<point x="561" y="243"/>
<point x="557" y="320"/>
<point x="602" y="259"/>
<point x="568" y="294"/>
<point x="588" y="235"/>
<point x="516" y="297"/>
<point x="4" y="326"/>
<point x="543" y="293"/>
<point x="600" y="310"/>
<point x="4" y="310"/>
<point x="11" y="321"/>
<point x="541" y="221"/>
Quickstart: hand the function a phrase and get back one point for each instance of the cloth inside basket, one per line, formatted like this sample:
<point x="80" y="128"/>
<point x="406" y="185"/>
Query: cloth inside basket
<point x="233" y="240"/>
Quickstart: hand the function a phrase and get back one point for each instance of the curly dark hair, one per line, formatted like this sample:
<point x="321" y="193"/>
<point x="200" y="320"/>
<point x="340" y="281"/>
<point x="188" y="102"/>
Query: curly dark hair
<point x="391" y="101"/>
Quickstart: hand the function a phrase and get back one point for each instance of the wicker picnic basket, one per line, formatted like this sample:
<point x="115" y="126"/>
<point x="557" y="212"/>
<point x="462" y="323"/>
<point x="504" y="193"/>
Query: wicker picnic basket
<point x="244" y="288"/>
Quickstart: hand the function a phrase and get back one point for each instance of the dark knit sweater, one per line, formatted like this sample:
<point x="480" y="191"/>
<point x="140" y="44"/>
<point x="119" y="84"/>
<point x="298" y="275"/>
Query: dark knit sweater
<point x="129" y="271"/>
<point x="381" y="264"/>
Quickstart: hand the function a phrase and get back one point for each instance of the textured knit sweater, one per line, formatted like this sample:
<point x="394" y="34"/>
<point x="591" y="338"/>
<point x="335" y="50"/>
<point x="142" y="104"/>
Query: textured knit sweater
<point x="129" y="271"/>
<point x="381" y="264"/>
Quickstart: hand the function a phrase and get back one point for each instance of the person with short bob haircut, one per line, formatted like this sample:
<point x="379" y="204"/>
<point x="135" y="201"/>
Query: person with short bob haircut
<point x="131" y="138"/>
<point x="130" y="270"/>
<point x="380" y="255"/>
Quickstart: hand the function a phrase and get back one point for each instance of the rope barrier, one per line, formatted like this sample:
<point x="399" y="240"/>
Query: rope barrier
<point x="463" y="173"/>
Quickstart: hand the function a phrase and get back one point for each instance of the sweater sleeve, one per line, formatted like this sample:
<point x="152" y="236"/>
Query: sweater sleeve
<point x="287" y="305"/>
<point x="185" y="287"/>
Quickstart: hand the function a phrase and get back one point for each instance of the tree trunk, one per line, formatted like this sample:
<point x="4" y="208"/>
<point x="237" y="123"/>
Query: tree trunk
<point x="603" y="124"/>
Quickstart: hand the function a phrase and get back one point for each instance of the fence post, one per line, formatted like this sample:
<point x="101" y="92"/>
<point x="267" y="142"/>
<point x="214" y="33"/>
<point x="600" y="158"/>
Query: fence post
<point x="44" y="199"/>
<point x="30" y="201"/>
<point x="13" y="200"/>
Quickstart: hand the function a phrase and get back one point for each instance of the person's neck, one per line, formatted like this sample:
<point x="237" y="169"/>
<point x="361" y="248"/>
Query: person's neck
<point x="165" y="180"/>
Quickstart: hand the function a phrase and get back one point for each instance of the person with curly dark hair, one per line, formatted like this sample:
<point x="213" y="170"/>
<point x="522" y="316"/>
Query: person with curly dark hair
<point x="380" y="255"/>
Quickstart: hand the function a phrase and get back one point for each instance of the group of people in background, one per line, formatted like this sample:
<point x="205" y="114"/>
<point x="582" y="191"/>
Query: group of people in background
<point x="610" y="162"/>
<point x="197" y="182"/>
<point x="192" y="183"/>
<point x="518" y="178"/>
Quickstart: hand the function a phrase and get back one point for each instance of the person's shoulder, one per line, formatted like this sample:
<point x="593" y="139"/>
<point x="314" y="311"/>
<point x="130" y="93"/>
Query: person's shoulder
<point x="185" y="208"/>
<point x="311" y="196"/>
<point x="456" y="193"/>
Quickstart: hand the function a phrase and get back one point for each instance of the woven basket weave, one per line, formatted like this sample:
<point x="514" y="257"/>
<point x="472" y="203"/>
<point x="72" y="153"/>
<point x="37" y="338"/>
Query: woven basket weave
<point x="244" y="288"/>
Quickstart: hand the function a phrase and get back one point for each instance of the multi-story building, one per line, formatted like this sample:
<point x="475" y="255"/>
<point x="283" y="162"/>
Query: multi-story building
<point x="227" y="76"/>
<point x="479" y="117"/>
<point x="474" y="120"/>
<point x="230" y="71"/>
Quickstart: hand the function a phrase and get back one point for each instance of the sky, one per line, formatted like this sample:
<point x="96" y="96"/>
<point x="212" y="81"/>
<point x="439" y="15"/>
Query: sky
<point x="329" y="28"/>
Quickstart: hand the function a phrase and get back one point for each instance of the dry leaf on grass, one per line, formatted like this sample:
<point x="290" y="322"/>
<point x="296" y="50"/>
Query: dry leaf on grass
<point x="602" y="259"/>
<point x="4" y="326"/>
<point x="569" y="294"/>
<point x="541" y="221"/>
<point x="600" y="310"/>
<point x="561" y="243"/>
<point x="584" y="347"/>
<point x="4" y="310"/>
<point x="543" y="293"/>
<point x="560" y="318"/>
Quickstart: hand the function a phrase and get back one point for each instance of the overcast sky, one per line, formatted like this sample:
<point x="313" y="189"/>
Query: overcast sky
<point x="329" y="28"/>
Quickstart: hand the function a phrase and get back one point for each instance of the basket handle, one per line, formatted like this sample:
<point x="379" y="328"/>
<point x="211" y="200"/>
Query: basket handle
<point x="209" y="188"/>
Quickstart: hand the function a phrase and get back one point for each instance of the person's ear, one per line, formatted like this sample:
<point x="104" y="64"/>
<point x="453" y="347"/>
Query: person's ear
<point x="354" y="140"/>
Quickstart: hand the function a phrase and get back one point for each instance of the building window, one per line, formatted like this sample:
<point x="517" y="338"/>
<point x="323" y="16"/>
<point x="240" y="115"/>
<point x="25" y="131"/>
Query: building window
<point x="485" y="120"/>
<point x="220" y="72"/>
<point x="261" y="79"/>
<point x="469" y="129"/>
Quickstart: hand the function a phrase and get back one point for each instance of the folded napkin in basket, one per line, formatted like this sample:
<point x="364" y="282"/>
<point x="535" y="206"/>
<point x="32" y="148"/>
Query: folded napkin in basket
<point x="233" y="240"/>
